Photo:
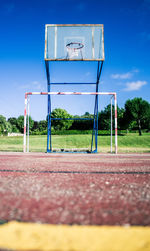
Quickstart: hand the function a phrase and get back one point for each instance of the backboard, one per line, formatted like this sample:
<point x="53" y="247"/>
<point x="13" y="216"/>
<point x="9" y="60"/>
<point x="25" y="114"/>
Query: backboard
<point x="74" y="42"/>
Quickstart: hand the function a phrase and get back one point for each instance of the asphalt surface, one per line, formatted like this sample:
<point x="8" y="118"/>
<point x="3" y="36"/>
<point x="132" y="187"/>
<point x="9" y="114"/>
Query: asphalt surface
<point x="83" y="189"/>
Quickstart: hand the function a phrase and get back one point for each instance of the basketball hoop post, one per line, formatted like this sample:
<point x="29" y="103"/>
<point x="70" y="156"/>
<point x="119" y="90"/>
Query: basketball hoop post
<point x="74" y="42"/>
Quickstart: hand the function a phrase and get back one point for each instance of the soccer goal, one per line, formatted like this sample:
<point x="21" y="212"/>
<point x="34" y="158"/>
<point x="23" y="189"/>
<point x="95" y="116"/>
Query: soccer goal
<point x="26" y="146"/>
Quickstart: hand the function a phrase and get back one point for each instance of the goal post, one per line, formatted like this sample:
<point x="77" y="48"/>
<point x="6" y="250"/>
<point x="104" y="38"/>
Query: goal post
<point x="26" y="113"/>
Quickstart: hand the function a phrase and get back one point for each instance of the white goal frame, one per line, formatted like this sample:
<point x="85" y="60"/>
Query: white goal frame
<point x="26" y="113"/>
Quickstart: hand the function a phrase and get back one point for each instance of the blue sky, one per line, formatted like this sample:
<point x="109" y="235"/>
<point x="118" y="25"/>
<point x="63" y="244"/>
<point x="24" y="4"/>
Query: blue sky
<point x="126" y="68"/>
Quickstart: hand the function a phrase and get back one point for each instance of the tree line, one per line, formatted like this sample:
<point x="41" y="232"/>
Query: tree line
<point x="134" y="116"/>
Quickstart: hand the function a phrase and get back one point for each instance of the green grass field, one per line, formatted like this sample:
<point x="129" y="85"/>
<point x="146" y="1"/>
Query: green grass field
<point x="126" y="143"/>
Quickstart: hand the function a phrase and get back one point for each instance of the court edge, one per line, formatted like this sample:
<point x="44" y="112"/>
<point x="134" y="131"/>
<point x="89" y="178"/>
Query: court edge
<point x="36" y="236"/>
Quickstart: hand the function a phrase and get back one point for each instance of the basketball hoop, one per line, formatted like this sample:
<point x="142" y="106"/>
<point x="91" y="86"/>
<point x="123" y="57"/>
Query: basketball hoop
<point x="73" y="49"/>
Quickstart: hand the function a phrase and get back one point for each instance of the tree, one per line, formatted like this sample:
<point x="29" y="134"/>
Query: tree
<point x="104" y="118"/>
<point x="5" y="126"/>
<point x="120" y="118"/>
<point x="83" y="124"/>
<point x="20" y="123"/>
<point x="86" y="114"/>
<point x="35" y="125"/>
<point x="8" y="128"/>
<point x="136" y="111"/>
<point x="13" y="122"/>
<point x="61" y="124"/>
<point x="42" y="125"/>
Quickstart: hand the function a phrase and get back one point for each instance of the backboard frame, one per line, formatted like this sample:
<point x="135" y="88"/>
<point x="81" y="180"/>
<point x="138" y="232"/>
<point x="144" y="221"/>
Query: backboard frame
<point x="73" y="59"/>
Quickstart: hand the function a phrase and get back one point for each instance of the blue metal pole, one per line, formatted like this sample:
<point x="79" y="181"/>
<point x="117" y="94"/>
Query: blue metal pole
<point x="71" y="118"/>
<point x="93" y="133"/>
<point x="49" y="141"/>
<point x="96" y="118"/>
<point x="88" y="83"/>
<point x="49" y="144"/>
<point x="96" y="132"/>
<point x="95" y="125"/>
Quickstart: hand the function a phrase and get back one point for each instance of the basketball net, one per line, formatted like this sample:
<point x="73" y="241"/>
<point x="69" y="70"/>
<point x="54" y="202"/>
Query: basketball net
<point x="72" y="52"/>
<point x="74" y="49"/>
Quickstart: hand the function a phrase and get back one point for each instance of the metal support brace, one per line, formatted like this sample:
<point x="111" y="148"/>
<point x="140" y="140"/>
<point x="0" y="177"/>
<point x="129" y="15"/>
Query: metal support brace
<point x="95" y="124"/>
<point x="49" y="141"/>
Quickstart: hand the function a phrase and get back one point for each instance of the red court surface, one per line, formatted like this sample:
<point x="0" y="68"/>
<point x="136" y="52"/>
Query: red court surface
<point x="85" y="189"/>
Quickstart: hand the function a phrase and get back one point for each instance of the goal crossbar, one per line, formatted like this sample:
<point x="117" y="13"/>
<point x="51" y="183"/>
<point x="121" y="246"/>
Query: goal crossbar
<point x="26" y="111"/>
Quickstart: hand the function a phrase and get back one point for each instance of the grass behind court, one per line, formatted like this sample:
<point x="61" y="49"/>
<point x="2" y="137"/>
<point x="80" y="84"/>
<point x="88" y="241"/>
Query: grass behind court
<point x="127" y="143"/>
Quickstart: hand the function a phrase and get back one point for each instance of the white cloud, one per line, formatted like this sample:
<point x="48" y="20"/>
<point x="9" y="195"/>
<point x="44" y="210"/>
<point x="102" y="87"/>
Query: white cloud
<point x="135" y="70"/>
<point x="127" y="75"/>
<point x="25" y="86"/>
<point x="134" y="86"/>
<point x="36" y="85"/>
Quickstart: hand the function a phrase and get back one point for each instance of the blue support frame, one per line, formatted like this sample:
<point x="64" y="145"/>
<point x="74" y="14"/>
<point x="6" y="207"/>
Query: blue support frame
<point x="95" y="119"/>
<point x="49" y="140"/>
<point x="95" y="123"/>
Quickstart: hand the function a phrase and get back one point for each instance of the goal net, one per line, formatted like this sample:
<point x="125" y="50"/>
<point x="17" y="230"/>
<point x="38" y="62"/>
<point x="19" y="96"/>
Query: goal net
<point x="68" y="140"/>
